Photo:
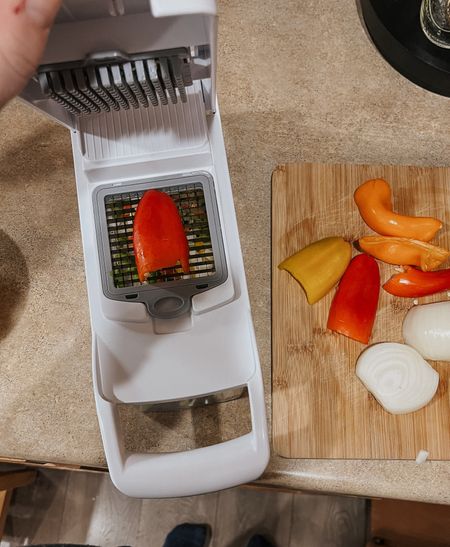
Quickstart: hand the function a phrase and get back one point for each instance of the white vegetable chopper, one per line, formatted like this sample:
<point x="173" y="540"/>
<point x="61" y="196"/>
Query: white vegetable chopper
<point x="134" y="81"/>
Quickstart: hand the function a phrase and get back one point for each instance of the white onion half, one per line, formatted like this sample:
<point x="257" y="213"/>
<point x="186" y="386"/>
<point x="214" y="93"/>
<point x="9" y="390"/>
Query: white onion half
<point x="397" y="376"/>
<point x="427" y="329"/>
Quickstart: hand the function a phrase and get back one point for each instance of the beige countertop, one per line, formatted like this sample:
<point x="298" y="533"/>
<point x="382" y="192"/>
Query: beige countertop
<point x="298" y="81"/>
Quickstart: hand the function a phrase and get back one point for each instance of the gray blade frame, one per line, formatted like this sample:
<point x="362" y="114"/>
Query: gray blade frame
<point x="183" y="290"/>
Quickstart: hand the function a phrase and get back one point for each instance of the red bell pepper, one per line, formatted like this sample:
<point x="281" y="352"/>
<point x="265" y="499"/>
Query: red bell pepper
<point x="354" y="305"/>
<point x="159" y="238"/>
<point x="414" y="283"/>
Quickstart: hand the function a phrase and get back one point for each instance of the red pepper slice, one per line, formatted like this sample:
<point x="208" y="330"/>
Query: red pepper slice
<point x="354" y="305"/>
<point x="159" y="238"/>
<point x="414" y="283"/>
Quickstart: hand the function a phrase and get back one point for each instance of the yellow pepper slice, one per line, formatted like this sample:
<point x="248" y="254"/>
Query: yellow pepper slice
<point x="319" y="266"/>
<point x="404" y="251"/>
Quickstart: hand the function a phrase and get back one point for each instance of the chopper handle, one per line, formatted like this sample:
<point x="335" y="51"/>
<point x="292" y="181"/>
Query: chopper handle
<point x="167" y="305"/>
<point x="191" y="472"/>
<point x="165" y="8"/>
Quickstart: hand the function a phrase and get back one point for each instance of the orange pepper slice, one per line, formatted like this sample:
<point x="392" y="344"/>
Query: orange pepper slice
<point x="374" y="201"/>
<point x="403" y="251"/>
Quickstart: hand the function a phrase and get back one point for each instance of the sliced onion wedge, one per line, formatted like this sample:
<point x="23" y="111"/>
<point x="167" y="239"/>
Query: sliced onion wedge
<point x="397" y="376"/>
<point x="427" y="329"/>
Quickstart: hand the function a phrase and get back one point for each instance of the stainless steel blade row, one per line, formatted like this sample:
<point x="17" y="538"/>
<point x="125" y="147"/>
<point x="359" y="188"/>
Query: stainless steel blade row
<point x="132" y="84"/>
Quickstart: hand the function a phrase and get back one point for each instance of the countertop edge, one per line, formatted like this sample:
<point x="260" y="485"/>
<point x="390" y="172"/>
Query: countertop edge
<point x="360" y="478"/>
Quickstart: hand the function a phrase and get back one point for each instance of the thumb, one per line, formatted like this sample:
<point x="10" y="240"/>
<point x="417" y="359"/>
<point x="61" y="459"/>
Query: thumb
<point x="41" y="12"/>
<point x="24" y="27"/>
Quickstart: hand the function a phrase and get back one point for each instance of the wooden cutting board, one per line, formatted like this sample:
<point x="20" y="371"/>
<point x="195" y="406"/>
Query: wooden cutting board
<point x="320" y="408"/>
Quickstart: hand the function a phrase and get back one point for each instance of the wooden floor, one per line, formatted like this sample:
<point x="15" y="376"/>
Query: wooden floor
<point x="79" y="507"/>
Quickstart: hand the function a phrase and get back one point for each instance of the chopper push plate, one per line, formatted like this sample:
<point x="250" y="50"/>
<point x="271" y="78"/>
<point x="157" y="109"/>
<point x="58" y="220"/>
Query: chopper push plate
<point x="115" y="80"/>
<point x="167" y="292"/>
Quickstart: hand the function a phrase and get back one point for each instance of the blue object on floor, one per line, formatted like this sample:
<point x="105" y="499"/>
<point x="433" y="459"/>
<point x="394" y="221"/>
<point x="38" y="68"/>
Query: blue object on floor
<point x="188" y="535"/>
<point x="259" y="541"/>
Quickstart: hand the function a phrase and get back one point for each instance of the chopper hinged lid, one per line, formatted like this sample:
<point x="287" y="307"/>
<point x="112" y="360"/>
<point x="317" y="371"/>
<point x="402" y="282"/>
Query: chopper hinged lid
<point x="125" y="54"/>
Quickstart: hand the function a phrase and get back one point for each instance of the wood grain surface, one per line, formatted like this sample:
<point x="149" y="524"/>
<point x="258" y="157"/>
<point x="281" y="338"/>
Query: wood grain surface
<point x="320" y="408"/>
<point x="85" y="508"/>
<point x="408" y="524"/>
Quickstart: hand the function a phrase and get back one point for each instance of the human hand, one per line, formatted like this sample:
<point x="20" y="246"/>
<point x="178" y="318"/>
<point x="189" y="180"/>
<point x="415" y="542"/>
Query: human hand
<point x="24" y="28"/>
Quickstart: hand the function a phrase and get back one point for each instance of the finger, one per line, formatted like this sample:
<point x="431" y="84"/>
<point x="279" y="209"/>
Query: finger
<point x="25" y="25"/>
<point x="41" y="12"/>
